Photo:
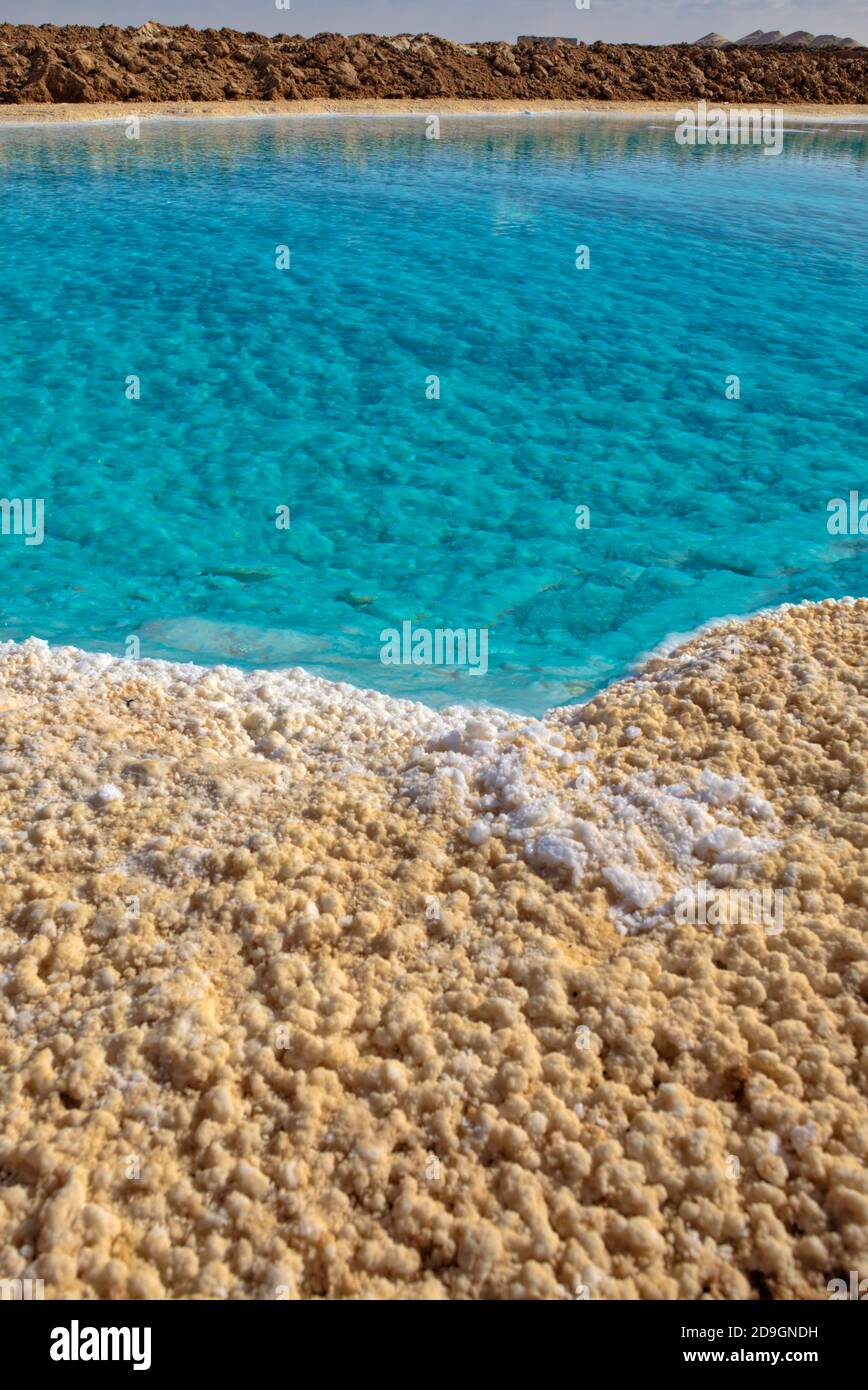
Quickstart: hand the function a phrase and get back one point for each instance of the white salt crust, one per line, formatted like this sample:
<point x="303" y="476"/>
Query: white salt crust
<point x="483" y="764"/>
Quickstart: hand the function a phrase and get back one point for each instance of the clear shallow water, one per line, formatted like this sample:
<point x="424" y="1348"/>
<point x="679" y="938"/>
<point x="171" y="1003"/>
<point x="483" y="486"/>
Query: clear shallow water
<point x="307" y="388"/>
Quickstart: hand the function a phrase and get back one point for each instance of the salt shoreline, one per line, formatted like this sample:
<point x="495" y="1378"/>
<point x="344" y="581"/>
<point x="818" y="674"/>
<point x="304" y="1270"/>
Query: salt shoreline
<point x="72" y="113"/>
<point x="306" y="988"/>
<point x="165" y="671"/>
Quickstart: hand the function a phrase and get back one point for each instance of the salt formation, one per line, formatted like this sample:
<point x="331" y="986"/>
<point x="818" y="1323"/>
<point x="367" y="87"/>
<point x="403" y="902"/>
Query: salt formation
<point x="306" y="992"/>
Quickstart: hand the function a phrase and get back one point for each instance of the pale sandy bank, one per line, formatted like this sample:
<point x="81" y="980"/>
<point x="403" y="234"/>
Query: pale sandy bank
<point x="309" y="993"/>
<point x="105" y="111"/>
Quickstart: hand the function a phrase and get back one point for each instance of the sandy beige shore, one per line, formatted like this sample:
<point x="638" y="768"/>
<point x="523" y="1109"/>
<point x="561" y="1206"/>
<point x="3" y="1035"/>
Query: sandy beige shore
<point x="307" y="993"/>
<point x="105" y="111"/>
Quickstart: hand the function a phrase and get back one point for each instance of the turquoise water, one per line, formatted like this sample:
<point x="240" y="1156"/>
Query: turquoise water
<point x="306" y="388"/>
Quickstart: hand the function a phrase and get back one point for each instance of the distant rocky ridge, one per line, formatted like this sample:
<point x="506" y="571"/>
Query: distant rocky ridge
<point x="156" y="62"/>
<point x="775" y="38"/>
<point x="524" y="40"/>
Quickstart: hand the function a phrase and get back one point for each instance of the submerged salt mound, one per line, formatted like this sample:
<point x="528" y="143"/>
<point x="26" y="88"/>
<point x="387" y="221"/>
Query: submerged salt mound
<point x="340" y="996"/>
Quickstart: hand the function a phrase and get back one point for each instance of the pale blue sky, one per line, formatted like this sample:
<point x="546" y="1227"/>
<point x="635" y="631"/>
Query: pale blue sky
<point x="643" y="21"/>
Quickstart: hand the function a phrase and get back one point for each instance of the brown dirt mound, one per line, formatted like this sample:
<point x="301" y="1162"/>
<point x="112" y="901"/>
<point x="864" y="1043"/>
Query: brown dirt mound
<point x="155" y="62"/>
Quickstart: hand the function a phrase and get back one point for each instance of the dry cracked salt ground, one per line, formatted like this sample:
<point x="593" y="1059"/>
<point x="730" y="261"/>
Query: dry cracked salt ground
<point x="309" y="993"/>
